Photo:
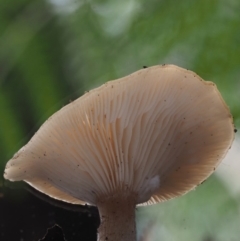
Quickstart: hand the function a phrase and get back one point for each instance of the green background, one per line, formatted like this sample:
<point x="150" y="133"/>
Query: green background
<point x="53" y="51"/>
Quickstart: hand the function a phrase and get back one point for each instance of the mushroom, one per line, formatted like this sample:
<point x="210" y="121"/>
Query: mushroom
<point x="148" y="137"/>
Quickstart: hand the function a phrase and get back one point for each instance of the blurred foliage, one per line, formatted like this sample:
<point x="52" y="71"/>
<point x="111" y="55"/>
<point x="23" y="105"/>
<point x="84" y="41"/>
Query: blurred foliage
<point x="52" y="51"/>
<point x="208" y="213"/>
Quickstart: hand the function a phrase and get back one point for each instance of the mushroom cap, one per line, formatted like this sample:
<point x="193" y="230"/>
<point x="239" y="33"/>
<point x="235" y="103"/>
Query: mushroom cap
<point x="157" y="134"/>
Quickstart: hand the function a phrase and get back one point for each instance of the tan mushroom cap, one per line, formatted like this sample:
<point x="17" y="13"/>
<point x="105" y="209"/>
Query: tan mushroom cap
<point x="157" y="133"/>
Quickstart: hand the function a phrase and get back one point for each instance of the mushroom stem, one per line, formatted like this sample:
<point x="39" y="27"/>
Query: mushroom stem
<point x="117" y="219"/>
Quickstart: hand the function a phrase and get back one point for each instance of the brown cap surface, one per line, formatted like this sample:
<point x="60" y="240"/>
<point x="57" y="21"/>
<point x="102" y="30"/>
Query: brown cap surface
<point x="157" y="133"/>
